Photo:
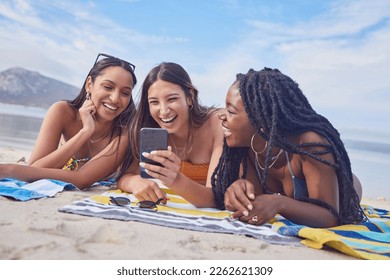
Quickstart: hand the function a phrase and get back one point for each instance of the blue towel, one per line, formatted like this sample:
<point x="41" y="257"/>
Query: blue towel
<point x="24" y="191"/>
<point x="368" y="240"/>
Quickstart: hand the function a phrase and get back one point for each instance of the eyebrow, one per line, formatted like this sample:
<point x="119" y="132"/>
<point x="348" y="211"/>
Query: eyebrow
<point x="231" y="106"/>
<point x="168" y="96"/>
<point x="112" y="82"/>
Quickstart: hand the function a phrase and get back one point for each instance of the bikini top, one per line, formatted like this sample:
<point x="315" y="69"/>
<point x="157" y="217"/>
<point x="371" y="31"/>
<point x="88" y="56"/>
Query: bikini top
<point x="196" y="172"/>
<point x="73" y="164"/>
<point x="299" y="185"/>
<point x="301" y="193"/>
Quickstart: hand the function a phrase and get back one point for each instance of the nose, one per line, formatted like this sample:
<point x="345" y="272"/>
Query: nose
<point x="222" y="115"/>
<point x="114" y="97"/>
<point x="164" y="109"/>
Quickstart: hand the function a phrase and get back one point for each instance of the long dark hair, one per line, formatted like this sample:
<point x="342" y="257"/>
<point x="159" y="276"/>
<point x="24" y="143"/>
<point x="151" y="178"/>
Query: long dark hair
<point x="122" y="122"/>
<point x="277" y="109"/>
<point x="176" y="74"/>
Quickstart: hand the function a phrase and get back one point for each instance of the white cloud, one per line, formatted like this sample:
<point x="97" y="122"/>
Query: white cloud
<point x="66" y="36"/>
<point x="337" y="57"/>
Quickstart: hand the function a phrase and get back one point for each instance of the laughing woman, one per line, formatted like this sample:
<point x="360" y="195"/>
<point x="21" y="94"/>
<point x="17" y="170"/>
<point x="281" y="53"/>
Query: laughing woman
<point x="281" y="157"/>
<point x="169" y="100"/>
<point x="85" y="140"/>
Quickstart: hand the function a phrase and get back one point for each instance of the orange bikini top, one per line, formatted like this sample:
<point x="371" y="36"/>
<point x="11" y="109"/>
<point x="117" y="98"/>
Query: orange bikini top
<point x="196" y="172"/>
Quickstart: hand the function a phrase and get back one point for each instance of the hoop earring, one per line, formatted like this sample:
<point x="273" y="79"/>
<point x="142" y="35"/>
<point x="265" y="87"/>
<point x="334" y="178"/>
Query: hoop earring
<point x="190" y="107"/>
<point x="253" y="148"/>
<point x="88" y="96"/>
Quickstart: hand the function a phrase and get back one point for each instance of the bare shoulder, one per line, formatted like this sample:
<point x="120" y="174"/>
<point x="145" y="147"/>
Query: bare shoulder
<point x="214" y="125"/>
<point x="214" y="120"/>
<point x="317" y="140"/>
<point x="311" y="137"/>
<point x="63" y="110"/>
<point x="211" y="132"/>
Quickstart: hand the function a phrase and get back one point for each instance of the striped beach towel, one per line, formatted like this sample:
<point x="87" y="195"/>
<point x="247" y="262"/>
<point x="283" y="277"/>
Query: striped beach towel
<point x="368" y="240"/>
<point x="177" y="213"/>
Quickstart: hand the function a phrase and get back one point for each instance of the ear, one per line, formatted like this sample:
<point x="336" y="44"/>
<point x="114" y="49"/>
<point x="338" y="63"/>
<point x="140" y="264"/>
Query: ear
<point x="88" y="84"/>
<point x="190" y="98"/>
<point x="189" y="102"/>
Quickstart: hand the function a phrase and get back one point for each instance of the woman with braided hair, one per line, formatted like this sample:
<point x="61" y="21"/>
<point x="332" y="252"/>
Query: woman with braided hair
<point x="281" y="157"/>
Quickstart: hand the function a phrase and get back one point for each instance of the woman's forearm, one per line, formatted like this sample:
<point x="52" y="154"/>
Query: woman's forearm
<point x="306" y="213"/>
<point x="59" y="157"/>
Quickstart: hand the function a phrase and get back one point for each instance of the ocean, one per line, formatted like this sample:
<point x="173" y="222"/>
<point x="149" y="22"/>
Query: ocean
<point x="368" y="148"/>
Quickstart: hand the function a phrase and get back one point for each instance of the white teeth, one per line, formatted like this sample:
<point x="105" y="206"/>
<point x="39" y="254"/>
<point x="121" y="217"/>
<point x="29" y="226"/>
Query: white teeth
<point x="167" y="120"/>
<point x="226" y="132"/>
<point x="110" y="107"/>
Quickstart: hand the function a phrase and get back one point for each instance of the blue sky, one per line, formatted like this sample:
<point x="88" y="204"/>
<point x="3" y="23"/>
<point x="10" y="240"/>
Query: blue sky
<point x="337" y="50"/>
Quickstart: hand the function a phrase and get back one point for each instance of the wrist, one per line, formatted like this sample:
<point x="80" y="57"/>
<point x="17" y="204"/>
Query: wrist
<point x="178" y="181"/>
<point x="126" y="183"/>
<point x="280" y="203"/>
<point x="86" y="132"/>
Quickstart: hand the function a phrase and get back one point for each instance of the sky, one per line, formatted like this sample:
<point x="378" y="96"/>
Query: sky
<point x="338" y="51"/>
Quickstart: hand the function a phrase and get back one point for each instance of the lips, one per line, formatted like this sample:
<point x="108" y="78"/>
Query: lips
<point x="110" y="107"/>
<point x="168" y="120"/>
<point x="226" y="131"/>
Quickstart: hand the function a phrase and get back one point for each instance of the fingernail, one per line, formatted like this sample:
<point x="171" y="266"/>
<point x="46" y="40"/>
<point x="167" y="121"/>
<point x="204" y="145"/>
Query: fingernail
<point x="245" y="213"/>
<point x="250" y="206"/>
<point x="252" y="196"/>
<point x="153" y="152"/>
<point x="145" y="154"/>
<point x="142" y="164"/>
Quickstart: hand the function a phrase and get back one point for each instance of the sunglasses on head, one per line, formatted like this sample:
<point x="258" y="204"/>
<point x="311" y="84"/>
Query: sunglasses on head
<point x="132" y="66"/>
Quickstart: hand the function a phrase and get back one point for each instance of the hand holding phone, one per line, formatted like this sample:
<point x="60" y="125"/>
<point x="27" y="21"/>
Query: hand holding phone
<point x="152" y="139"/>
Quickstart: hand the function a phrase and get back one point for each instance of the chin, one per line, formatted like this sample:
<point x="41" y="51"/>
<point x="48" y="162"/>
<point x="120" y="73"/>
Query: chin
<point x="235" y="143"/>
<point x="230" y="143"/>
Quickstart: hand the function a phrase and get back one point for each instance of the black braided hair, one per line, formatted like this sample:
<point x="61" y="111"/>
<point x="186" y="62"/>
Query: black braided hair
<point x="277" y="109"/>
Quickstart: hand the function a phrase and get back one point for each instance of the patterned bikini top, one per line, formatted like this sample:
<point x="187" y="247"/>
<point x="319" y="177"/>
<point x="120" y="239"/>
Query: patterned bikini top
<point x="74" y="164"/>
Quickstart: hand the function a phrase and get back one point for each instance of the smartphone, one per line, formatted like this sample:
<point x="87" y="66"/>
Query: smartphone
<point x="152" y="139"/>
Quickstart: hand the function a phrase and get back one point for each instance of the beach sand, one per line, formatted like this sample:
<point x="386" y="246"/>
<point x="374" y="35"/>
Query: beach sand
<point x="36" y="230"/>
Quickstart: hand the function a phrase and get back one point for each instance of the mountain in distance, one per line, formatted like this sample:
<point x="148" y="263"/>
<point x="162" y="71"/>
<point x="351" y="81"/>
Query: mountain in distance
<point x="29" y="88"/>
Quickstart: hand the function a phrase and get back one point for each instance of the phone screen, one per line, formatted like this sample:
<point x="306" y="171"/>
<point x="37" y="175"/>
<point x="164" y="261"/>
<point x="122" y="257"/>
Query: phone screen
<point x="152" y="139"/>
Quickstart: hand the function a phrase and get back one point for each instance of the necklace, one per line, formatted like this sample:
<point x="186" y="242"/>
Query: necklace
<point x="183" y="150"/>
<point x="273" y="160"/>
<point x="257" y="165"/>
<point x="89" y="148"/>
<point x="101" y="138"/>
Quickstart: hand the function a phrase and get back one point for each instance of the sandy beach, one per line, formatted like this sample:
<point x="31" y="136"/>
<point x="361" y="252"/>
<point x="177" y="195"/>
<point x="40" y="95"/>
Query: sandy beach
<point x="36" y="230"/>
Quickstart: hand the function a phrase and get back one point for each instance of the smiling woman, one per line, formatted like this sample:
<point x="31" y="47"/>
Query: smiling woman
<point x="169" y="100"/>
<point x="85" y="140"/>
<point x="282" y="157"/>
